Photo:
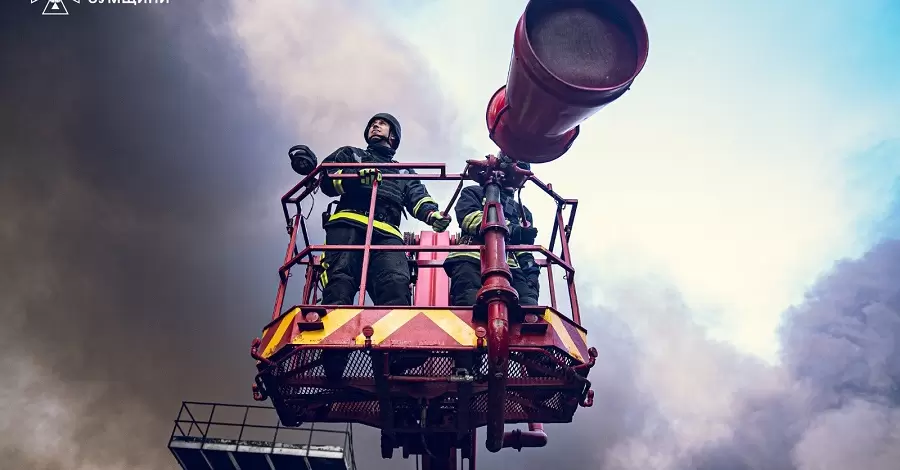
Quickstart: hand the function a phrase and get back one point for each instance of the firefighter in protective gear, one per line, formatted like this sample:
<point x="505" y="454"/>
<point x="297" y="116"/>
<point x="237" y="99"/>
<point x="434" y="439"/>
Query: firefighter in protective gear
<point x="389" y="279"/>
<point x="464" y="268"/>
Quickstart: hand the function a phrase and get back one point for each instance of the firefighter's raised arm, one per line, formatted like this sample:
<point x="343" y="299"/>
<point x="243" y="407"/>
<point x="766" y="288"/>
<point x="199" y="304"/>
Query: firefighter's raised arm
<point x="470" y="209"/>
<point x="422" y="206"/>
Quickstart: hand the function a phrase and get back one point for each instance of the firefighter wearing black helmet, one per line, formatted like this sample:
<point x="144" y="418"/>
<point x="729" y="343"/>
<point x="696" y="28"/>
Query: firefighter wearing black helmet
<point x="464" y="268"/>
<point x="389" y="275"/>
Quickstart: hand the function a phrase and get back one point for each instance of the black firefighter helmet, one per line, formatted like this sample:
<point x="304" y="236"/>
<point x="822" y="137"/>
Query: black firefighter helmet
<point x="395" y="127"/>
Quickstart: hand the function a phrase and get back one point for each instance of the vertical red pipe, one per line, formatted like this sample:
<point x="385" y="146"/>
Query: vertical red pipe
<point x="282" y="281"/>
<point x="496" y="292"/>
<point x="369" y="228"/>
<point x="498" y="354"/>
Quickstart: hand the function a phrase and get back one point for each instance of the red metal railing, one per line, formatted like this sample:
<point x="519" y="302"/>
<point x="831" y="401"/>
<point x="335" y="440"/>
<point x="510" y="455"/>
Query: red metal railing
<point x="296" y="224"/>
<point x="496" y="295"/>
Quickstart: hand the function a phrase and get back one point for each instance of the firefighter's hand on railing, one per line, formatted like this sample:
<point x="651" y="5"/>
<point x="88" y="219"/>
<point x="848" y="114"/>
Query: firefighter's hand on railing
<point x="519" y="235"/>
<point x="439" y="222"/>
<point x="367" y="176"/>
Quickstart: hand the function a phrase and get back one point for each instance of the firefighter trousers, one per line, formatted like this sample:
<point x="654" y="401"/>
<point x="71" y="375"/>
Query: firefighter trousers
<point x="465" y="281"/>
<point x="388" y="274"/>
<point x="387" y="281"/>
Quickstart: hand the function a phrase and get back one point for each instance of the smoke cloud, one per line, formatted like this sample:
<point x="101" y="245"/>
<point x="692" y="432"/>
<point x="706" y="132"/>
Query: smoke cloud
<point x="142" y="154"/>
<point x="833" y="403"/>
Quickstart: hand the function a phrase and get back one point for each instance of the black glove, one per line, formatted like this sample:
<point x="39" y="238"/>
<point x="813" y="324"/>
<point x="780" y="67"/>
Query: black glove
<point x="303" y="160"/>
<point x="519" y="235"/>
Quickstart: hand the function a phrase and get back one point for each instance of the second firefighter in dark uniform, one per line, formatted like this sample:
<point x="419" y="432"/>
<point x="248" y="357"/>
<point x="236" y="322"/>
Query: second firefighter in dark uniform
<point x="389" y="275"/>
<point x="464" y="268"/>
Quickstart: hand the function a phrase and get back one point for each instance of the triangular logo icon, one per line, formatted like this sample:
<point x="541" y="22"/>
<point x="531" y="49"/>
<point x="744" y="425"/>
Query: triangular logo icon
<point x="55" y="7"/>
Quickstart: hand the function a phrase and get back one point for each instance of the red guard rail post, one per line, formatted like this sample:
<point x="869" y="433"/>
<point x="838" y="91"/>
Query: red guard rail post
<point x="368" y="245"/>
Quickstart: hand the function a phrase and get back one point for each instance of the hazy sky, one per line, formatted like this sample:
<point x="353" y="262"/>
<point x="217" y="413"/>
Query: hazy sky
<point x="758" y="145"/>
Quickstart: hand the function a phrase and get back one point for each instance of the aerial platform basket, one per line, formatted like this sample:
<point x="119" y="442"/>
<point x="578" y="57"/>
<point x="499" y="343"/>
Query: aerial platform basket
<point x="421" y="368"/>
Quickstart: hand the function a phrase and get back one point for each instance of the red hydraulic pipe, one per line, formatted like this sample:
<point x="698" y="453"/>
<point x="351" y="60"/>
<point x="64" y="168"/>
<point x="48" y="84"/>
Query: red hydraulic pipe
<point x="498" y="358"/>
<point x="534" y="437"/>
<point x="570" y="59"/>
<point x="498" y="295"/>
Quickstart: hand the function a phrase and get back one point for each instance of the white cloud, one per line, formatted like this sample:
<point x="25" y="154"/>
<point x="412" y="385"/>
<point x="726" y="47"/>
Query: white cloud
<point x="718" y="170"/>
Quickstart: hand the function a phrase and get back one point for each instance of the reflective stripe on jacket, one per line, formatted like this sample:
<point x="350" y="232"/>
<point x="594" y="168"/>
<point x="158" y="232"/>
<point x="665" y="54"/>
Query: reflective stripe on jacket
<point x="470" y="213"/>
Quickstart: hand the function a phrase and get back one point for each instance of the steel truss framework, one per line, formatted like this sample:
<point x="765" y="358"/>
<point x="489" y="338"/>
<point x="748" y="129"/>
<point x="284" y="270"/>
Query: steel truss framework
<point x="217" y="436"/>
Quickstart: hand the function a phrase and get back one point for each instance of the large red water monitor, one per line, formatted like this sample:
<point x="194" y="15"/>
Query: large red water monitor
<point x="570" y="59"/>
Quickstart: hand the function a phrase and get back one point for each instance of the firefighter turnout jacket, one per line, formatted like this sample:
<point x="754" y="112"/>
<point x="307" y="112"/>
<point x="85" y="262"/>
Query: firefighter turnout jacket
<point x="470" y="212"/>
<point x="392" y="197"/>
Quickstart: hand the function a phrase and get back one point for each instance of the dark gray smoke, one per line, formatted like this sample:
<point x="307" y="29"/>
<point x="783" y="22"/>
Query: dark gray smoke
<point x="833" y="404"/>
<point x="842" y="351"/>
<point x="142" y="155"/>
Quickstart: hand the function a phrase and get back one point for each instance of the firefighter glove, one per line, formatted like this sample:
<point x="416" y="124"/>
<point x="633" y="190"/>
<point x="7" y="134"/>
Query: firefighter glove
<point x="367" y="176"/>
<point x="520" y="235"/>
<point x="439" y="222"/>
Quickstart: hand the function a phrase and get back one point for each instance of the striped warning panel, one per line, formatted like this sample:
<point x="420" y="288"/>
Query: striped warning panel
<point x="276" y="331"/>
<point x="572" y="336"/>
<point x="402" y="327"/>
<point x="410" y="327"/>
<point x="414" y="326"/>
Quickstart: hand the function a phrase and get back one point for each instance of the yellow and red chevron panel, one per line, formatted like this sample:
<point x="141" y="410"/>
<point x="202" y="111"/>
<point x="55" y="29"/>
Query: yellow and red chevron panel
<point x="415" y="327"/>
